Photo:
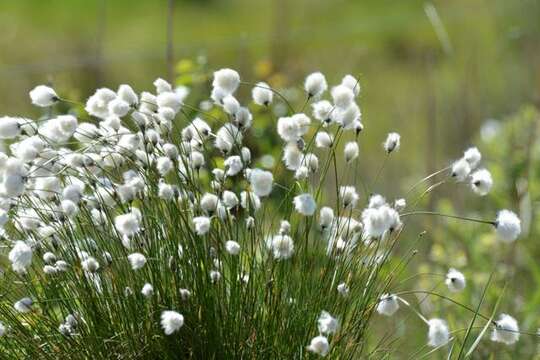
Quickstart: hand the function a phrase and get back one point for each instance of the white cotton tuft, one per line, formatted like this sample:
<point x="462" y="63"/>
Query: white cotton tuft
<point x="9" y="127"/>
<point x="227" y="137"/>
<point x="90" y="265"/>
<point x="169" y="100"/>
<point x="262" y="94"/>
<point x="438" y="333"/>
<point x="461" y="169"/>
<point x="301" y="173"/>
<point x="326" y="217"/>
<point x="24" y="305"/>
<point x="282" y="247"/>
<point x="292" y="156"/>
<point x="508" y="226"/>
<point x="506" y="330"/>
<point x="327" y="324"/>
<point x="171" y="321"/>
<point x="166" y="191"/>
<point x="230" y="105"/>
<point x="20" y="257"/>
<point x="127" y="94"/>
<point x="343" y="289"/>
<point x="347" y="117"/>
<point x="455" y="280"/>
<point x="323" y="140"/>
<point x="98" y="104"/>
<point x="322" y="111"/>
<point x="481" y="182"/>
<point x="376" y="201"/>
<point x="352" y="83"/>
<point x="118" y="107"/>
<point x="472" y="156"/>
<point x="147" y="290"/>
<point x="67" y="123"/>
<point x="342" y="96"/>
<point x="136" y="260"/>
<point x="43" y="96"/>
<point x="351" y="151"/>
<point x="227" y="80"/>
<point x="164" y="165"/>
<point x="388" y="305"/>
<point x="261" y="182"/>
<point x="348" y="196"/>
<point x="2" y="329"/>
<point x="232" y="247"/>
<point x="233" y="164"/>
<point x="379" y="220"/>
<point x="215" y="276"/>
<point x="315" y="84"/>
<point x="392" y="142"/>
<point x="127" y="224"/>
<point x="162" y="86"/>
<point x="290" y="129"/>
<point x="319" y="345"/>
<point x="209" y="203"/>
<point x="229" y="199"/>
<point x="69" y="208"/>
<point x="305" y="204"/>
<point x="202" y="225"/>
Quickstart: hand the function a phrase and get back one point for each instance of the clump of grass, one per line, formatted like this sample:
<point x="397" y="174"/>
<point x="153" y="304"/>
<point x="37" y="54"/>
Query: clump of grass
<point x="150" y="232"/>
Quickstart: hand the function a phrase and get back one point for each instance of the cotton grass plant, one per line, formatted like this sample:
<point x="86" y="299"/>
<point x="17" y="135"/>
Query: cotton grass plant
<point x="148" y="229"/>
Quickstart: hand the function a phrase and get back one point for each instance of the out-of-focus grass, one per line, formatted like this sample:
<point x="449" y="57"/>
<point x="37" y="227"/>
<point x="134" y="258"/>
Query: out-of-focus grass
<point x="408" y="79"/>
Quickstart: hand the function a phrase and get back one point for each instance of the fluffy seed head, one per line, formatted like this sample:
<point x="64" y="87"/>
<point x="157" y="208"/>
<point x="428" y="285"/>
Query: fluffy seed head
<point x="232" y="247"/>
<point x="261" y="182"/>
<point x="327" y="324"/>
<point x="388" y="305"/>
<point x="136" y="260"/>
<point x="438" y="333"/>
<point x="351" y="151"/>
<point x="342" y="96"/>
<point x="171" y="321"/>
<point x="202" y="224"/>
<point x="461" y="169"/>
<point x="481" y="182"/>
<point x="227" y="80"/>
<point x="9" y="127"/>
<point x="319" y="345"/>
<point x="323" y="140"/>
<point x="472" y="156"/>
<point x="20" y="257"/>
<point x="506" y="330"/>
<point x="455" y="280"/>
<point x="305" y="204"/>
<point x="315" y="84"/>
<point x="392" y="142"/>
<point x="508" y="226"/>
<point x="262" y="94"/>
<point x="43" y="96"/>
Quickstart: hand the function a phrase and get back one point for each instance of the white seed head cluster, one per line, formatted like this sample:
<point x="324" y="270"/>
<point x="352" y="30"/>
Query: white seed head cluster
<point x="145" y="189"/>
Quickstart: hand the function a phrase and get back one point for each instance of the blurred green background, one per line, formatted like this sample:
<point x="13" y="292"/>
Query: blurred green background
<point x="433" y="71"/>
<point x="444" y="74"/>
